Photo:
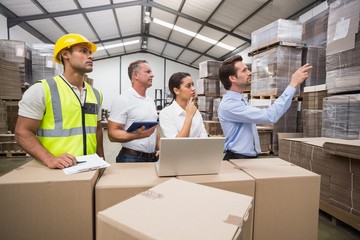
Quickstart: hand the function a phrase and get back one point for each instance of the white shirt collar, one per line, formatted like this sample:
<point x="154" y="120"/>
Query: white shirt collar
<point x="72" y="86"/>
<point x="179" y="110"/>
<point x="136" y="94"/>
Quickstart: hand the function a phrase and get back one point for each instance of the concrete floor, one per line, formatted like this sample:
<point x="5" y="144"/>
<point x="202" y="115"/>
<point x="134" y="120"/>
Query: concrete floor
<point x="328" y="230"/>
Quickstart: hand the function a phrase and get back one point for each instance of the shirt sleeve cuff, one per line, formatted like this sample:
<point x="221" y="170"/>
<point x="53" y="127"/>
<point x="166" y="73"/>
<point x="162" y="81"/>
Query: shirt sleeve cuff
<point x="290" y="90"/>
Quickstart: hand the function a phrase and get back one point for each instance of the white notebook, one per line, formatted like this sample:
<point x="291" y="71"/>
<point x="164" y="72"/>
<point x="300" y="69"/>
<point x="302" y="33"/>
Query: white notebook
<point x="190" y="156"/>
<point x="87" y="163"/>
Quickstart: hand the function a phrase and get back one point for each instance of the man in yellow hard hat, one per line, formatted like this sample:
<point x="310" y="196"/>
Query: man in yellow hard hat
<point x="59" y="118"/>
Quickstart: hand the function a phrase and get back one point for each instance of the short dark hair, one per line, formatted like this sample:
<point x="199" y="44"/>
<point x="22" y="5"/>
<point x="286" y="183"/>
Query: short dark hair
<point x="135" y="67"/>
<point x="227" y="69"/>
<point x="175" y="81"/>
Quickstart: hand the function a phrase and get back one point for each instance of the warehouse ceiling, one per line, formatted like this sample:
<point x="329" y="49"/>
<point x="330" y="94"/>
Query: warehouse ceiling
<point x="185" y="31"/>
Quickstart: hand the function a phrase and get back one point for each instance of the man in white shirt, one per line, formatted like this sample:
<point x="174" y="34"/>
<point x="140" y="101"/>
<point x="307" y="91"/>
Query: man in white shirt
<point x="135" y="106"/>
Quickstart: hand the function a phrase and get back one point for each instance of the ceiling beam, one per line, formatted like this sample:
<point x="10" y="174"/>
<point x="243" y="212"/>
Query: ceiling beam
<point x="305" y="9"/>
<point x="252" y="14"/>
<point x="8" y="14"/>
<point x="148" y="52"/>
<point x="155" y="37"/>
<point x="234" y="52"/>
<point x="12" y="21"/>
<point x="191" y="18"/>
<point x="172" y="30"/>
<point x="181" y="46"/>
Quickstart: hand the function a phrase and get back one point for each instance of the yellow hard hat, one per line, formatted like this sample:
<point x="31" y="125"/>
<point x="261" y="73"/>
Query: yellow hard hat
<point x="69" y="40"/>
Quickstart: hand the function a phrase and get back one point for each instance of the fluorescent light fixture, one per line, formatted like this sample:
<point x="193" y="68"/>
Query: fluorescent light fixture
<point x="118" y="45"/>
<point x="223" y="45"/>
<point x="183" y="30"/>
<point x="172" y="26"/>
<point x="193" y="34"/>
<point x="162" y="23"/>
<point x="206" y="39"/>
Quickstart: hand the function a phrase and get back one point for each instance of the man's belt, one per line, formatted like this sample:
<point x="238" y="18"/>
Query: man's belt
<point x="231" y="155"/>
<point x="138" y="153"/>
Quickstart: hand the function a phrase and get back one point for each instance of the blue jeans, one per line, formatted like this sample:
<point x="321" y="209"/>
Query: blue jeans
<point x="123" y="157"/>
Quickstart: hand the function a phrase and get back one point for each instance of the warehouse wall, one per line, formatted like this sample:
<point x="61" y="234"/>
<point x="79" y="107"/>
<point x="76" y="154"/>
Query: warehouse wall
<point x="17" y="33"/>
<point x="111" y="77"/>
<point x="3" y="27"/>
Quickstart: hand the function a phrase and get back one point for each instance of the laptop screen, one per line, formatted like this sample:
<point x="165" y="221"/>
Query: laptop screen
<point x="190" y="156"/>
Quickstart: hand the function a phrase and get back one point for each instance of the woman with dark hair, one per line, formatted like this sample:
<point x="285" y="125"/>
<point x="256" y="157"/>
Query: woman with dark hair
<point x="182" y="118"/>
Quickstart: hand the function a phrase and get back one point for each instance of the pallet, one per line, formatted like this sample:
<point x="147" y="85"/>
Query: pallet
<point x="13" y="153"/>
<point x="339" y="214"/>
<point x="271" y="97"/>
<point x="273" y="45"/>
<point x="267" y="153"/>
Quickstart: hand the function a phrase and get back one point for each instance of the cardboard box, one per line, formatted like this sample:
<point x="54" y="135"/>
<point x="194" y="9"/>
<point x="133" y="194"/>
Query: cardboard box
<point x="121" y="181"/>
<point x="342" y="50"/>
<point x="230" y="178"/>
<point x="287" y="31"/>
<point x="342" y="147"/>
<point x="42" y="203"/>
<point x="209" y="69"/>
<point x="208" y="87"/>
<point x="286" y="199"/>
<point x="340" y="175"/>
<point x="213" y="128"/>
<point x="176" y="209"/>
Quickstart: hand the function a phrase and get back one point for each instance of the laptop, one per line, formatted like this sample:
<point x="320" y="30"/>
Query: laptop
<point x="190" y="156"/>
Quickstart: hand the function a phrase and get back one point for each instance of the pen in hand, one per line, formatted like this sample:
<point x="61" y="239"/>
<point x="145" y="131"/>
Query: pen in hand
<point x="78" y="162"/>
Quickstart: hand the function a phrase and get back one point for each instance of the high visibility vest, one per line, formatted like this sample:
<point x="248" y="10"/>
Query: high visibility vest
<point x="67" y="126"/>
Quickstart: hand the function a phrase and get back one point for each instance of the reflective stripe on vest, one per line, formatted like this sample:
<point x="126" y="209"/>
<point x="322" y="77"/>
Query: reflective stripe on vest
<point x="71" y="139"/>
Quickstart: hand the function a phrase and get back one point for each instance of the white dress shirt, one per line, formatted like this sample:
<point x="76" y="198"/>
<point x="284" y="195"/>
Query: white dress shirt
<point x="172" y="119"/>
<point x="131" y="107"/>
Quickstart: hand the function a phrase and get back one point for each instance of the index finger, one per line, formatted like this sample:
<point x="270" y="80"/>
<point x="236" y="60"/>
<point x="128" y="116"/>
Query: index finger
<point x="307" y="67"/>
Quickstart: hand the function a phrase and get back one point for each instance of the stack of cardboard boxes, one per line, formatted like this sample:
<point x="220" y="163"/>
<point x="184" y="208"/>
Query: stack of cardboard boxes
<point x="14" y="73"/>
<point x="20" y="65"/>
<point x="208" y="90"/>
<point x="8" y="145"/>
<point x="343" y="47"/>
<point x="18" y="53"/>
<point x="43" y="63"/>
<point x="342" y="64"/>
<point x="247" y="200"/>
<point x="341" y="116"/>
<point x="40" y="203"/>
<point x="315" y="38"/>
<point x="276" y="51"/>
<point x="338" y="163"/>
<point x="10" y="93"/>
<point x="312" y="110"/>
